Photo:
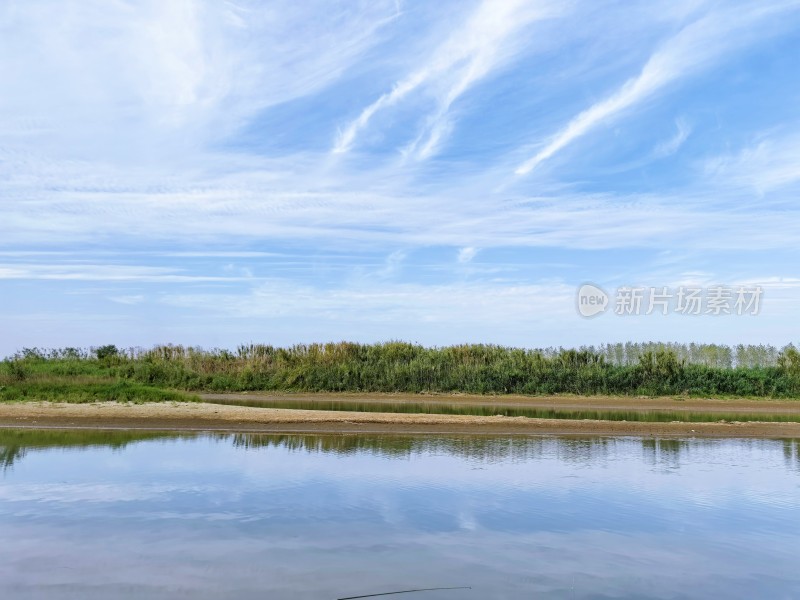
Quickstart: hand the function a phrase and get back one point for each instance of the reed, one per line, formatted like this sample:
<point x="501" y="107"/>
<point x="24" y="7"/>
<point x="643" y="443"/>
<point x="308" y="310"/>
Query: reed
<point x="640" y="369"/>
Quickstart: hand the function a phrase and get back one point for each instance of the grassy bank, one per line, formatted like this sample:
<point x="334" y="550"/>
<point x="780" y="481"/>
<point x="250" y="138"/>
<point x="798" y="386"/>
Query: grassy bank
<point x="167" y="372"/>
<point x="39" y="384"/>
<point x="491" y="409"/>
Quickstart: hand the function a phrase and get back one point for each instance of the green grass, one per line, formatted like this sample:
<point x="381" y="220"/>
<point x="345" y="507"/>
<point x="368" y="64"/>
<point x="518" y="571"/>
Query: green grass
<point x="487" y="410"/>
<point x="59" y="391"/>
<point x="628" y="369"/>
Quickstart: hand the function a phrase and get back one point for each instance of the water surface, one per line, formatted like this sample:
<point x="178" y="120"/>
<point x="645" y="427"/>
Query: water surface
<point x="124" y="515"/>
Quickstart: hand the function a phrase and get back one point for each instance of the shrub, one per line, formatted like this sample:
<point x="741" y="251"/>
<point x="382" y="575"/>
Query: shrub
<point x="17" y="370"/>
<point x="789" y="361"/>
<point x="107" y="352"/>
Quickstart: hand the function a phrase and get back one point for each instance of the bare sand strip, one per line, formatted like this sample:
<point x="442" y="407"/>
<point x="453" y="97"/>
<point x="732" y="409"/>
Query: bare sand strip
<point x="214" y="417"/>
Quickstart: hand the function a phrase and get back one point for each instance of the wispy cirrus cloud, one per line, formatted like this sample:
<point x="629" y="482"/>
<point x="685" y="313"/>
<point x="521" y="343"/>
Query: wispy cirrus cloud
<point x="358" y="216"/>
<point x="106" y="272"/>
<point x="466" y="255"/>
<point x="487" y="40"/>
<point x="177" y="151"/>
<point x="694" y="48"/>
<point x="771" y="163"/>
<point x="392" y="302"/>
<point x="132" y="81"/>
<point x="671" y="146"/>
<point x="129" y="299"/>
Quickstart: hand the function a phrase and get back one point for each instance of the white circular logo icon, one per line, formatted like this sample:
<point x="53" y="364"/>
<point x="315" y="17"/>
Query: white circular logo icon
<point x="592" y="300"/>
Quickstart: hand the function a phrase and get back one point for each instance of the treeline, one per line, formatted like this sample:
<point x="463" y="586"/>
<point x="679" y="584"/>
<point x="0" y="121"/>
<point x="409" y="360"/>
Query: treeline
<point x="620" y="354"/>
<point x="646" y="369"/>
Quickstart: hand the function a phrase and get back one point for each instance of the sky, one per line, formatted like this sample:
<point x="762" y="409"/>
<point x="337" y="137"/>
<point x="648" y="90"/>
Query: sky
<point x="221" y="172"/>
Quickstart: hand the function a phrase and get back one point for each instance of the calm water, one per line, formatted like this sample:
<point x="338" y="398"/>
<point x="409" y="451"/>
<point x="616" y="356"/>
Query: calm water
<point x="107" y="515"/>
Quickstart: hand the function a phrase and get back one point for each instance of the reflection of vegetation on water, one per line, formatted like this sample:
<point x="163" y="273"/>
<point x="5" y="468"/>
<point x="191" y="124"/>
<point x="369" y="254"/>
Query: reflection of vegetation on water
<point x="791" y="452"/>
<point x="477" y="447"/>
<point x="491" y="409"/>
<point x="491" y="449"/>
<point x="664" y="451"/>
<point x="485" y="448"/>
<point x="16" y="443"/>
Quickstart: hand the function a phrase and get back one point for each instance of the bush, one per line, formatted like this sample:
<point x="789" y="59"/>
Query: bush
<point x="17" y="370"/>
<point x="107" y="352"/>
<point x="789" y="361"/>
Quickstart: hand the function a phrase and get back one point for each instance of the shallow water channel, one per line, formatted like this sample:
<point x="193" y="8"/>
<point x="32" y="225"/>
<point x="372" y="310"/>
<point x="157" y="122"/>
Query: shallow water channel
<point x="103" y="514"/>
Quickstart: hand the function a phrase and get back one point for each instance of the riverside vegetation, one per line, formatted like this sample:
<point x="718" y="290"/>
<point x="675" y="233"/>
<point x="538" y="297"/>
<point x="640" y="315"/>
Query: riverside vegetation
<point x="169" y="372"/>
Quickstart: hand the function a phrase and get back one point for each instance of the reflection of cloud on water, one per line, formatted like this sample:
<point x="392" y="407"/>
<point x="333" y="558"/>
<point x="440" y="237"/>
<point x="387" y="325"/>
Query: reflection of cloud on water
<point x="310" y="564"/>
<point x="302" y="516"/>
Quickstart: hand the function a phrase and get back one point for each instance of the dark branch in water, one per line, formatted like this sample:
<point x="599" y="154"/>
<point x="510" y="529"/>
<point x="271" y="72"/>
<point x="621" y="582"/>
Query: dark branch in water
<point x="405" y="592"/>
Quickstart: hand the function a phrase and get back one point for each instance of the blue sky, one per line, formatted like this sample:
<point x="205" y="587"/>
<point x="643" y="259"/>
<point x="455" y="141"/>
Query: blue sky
<point x="211" y="173"/>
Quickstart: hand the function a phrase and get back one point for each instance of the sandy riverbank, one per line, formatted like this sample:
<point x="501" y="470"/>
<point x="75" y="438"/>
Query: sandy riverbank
<point x="214" y="417"/>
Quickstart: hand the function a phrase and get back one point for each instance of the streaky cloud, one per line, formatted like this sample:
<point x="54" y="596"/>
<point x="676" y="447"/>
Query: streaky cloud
<point x="695" y="47"/>
<point x="485" y="42"/>
<point x="672" y="145"/>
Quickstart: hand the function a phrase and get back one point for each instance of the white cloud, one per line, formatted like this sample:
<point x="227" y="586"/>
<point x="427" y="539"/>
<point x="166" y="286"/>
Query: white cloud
<point x="87" y="272"/>
<point x="484" y="43"/>
<point x="466" y="255"/>
<point x="392" y="264"/>
<point x="391" y="302"/>
<point x="358" y="213"/>
<point x="770" y="164"/>
<point x="148" y="80"/>
<point x="694" y="48"/>
<point x="672" y="145"/>
<point x="128" y="300"/>
<point x="206" y="198"/>
<point x="196" y="133"/>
